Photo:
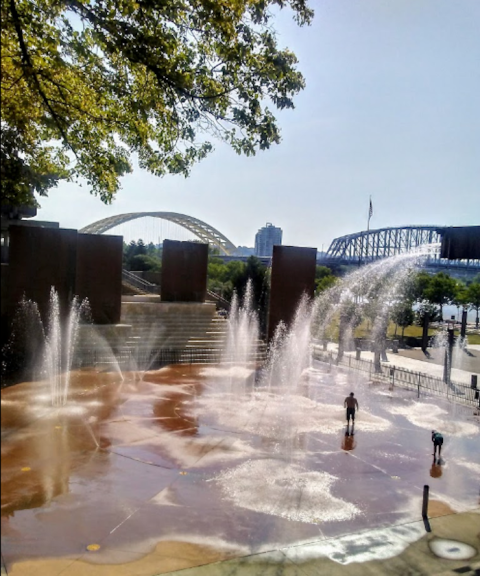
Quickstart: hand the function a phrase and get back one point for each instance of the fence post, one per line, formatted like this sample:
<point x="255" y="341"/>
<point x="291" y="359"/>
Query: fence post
<point x="418" y="385"/>
<point x="425" y="501"/>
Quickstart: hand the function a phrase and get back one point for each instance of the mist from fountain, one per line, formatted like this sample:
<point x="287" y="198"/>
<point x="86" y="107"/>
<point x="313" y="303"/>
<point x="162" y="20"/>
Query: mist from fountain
<point x="369" y="292"/>
<point x="60" y="342"/>
<point x="289" y="353"/>
<point x="275" y="403"/>
<point x="241" y="345"/>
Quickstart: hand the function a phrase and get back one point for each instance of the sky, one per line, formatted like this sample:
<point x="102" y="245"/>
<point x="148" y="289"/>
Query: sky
<point x="391" y="110"/>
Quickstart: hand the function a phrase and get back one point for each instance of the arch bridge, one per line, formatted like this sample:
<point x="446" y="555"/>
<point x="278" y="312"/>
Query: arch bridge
<point x="201" y="230"/>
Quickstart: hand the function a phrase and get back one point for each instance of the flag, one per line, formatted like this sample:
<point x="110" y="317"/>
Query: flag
<point x="370" y="210"/>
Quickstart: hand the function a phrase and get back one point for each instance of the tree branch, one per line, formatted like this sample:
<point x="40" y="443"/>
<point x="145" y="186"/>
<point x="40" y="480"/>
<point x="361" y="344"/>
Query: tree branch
<point x="136" y="56"/>
<point x="29" y="66"/>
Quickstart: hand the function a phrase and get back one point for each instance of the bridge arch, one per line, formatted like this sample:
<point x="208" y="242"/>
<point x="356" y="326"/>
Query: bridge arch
<point x="202" y="230"/>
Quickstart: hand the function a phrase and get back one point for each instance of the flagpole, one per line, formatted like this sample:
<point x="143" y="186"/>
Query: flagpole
<point x="370" y="212"/>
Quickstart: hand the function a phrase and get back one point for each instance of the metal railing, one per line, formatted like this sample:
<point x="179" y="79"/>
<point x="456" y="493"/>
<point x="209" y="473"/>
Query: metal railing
<point x="418" y="382"/>
<point x="146" y="286"/>
<point x="219" y="300"/>
<point x="139" y="283"/>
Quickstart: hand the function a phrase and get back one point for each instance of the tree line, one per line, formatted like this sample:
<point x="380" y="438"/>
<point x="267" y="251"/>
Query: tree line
<point x="430" y="293"/>
<point x="424" y="294"/>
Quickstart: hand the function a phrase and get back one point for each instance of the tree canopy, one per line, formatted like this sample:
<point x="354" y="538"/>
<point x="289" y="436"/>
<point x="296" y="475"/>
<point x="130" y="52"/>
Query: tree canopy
<point x="87" y="84"/>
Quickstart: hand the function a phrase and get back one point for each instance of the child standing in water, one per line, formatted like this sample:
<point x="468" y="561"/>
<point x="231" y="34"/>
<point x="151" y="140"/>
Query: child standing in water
<point x="437" y="440"/>
<point x="350" y="403"/>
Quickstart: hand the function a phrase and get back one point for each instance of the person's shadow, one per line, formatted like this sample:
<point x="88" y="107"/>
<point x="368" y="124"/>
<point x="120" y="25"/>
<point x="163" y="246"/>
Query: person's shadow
<point x="436" y="470"/>
<point x="348" y="440"/>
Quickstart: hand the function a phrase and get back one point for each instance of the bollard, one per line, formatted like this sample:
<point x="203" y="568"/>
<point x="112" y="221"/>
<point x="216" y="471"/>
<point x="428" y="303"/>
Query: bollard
<point x="473" y="385"/>
<point x="463" y="329"/>
<point x="358" y="353"/>
<point x="425" y="501"/>
<point x="395" y="346"/>
<point x="392" y="374"/>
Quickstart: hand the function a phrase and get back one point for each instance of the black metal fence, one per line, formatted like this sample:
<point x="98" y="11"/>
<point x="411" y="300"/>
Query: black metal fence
<point x="418" y="382"/>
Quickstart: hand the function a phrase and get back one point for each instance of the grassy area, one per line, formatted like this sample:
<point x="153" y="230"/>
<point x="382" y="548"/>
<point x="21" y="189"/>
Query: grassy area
<point x="363" y="331"/>
<point x="473" y="338"/>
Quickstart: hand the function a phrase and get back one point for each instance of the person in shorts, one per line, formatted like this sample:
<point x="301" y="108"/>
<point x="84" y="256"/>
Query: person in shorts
<point x="350" y="403"/>
<point x="437" y="440"/>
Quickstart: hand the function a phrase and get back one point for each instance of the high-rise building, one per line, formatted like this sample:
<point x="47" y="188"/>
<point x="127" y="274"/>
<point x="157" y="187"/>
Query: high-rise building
<point x="266" y="238"/>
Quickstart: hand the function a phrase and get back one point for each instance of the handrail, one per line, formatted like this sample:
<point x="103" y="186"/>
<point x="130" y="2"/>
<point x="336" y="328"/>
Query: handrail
<point x="147" y="286"/>
<point x="138" y="282"/>
<point x="225" y="304"/>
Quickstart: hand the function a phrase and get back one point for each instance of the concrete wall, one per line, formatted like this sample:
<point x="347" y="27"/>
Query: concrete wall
<point x="293" y="274"/>
<point x="86" y="265"/>
<point x="184" y="271"/>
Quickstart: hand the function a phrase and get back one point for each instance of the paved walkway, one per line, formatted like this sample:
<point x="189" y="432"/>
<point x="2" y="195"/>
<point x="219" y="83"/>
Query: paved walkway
<point x="415" y="360"/>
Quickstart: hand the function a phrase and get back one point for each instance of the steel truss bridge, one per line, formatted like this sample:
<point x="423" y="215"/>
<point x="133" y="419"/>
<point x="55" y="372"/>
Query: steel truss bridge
<point x="371" y="245"/>
<point x="201" y="230"/>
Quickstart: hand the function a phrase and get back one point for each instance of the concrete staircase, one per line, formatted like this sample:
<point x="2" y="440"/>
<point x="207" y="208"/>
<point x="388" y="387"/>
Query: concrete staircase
<point x="168" y="332"/>
<point x="216" y="338"/>
<point x="165" y="325"/>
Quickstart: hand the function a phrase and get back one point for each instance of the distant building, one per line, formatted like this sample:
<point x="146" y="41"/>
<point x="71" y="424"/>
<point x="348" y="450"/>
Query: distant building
<point x="244" y="251"/>
<point x="266" y="238"/>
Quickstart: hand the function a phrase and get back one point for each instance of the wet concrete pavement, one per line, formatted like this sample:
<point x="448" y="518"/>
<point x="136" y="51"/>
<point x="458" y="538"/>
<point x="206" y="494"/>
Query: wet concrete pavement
<point x="179" y="471"/>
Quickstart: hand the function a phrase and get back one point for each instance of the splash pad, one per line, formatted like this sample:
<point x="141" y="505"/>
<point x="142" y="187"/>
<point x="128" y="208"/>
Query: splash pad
<point x="189" y="465"/>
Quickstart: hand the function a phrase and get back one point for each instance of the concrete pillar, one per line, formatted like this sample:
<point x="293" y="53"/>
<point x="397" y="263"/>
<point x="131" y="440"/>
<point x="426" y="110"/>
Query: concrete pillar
<point x="99" y="275"/>
<point x="293" y="274"/>
<point x="39" y="259"/>
<point x="184" y="271"/>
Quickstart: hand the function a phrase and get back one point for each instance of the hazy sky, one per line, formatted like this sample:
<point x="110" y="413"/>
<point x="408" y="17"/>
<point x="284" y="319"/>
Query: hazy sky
<point x="391" y="109"/>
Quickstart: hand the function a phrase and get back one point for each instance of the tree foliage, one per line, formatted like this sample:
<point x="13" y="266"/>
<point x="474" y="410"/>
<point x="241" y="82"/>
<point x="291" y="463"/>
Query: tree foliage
<point x="441" y="290"/>
<point x="139" y="257"/>
<point x="402" y="315"/>
<point x="324" y="279"/>
<point x="472" y="297"/>
<point x="87" y="83"/>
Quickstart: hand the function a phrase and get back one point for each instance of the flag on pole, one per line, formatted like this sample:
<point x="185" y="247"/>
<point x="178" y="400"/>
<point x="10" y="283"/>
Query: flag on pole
<point x="370" y="213"/>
